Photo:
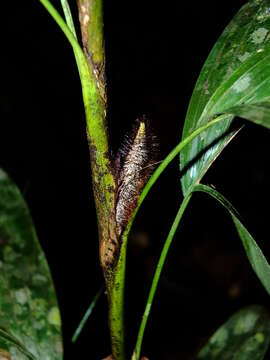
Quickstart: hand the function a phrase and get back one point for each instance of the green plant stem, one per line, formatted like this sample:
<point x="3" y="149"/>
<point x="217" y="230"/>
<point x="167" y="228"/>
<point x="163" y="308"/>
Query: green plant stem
<point x="116" y="314"/>
<point x="91" y="21"/>
<point x="163" y="255"/>
<point x="87" y="314"/>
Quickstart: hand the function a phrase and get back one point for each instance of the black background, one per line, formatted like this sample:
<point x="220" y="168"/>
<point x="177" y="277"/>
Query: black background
<point x="154" y="55"/>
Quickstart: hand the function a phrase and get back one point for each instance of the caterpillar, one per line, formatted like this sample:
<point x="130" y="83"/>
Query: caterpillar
<point x="134" y="164"/>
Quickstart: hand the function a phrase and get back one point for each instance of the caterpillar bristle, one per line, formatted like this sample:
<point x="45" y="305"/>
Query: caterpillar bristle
<point x="134" y="164"/>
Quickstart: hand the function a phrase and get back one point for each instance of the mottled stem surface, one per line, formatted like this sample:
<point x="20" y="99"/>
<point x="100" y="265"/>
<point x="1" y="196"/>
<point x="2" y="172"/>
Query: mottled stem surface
<point x="103" y="176"/>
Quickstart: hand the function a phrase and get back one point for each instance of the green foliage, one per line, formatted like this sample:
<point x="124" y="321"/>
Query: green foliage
<point x="234" y="80"/>
<point x="30" y="324"/>
<point x="245" y="336"/>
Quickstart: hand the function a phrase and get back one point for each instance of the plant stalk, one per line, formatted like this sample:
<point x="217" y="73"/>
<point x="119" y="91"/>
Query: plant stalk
<point x="91" y="66"/>
<point x="116" y="302"/>
<point x="91" y="21"/>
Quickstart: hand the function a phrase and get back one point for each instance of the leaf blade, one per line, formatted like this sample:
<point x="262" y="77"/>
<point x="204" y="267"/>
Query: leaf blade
<point x="241" y="48"/>
<point x="28" y="305"/>
<point x="246" y="335"/>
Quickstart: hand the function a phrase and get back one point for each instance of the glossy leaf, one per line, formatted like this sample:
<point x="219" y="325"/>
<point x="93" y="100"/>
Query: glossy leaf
<point x="235" y="74"/>
<point x="245" y="336"/>
<point x="30" y="325"/>
<point x="256" y="258"/>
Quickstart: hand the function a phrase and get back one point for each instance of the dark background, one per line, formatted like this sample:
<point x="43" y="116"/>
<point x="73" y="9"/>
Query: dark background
<point x="154" y="55"/>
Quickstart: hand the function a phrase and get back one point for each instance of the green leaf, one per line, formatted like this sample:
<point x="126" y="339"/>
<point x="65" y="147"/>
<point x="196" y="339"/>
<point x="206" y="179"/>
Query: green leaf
<point x="254" y="253"/>
<point x="29" y="316"/>
<point x="245" y="336"/>
<point x="236" y="74"/>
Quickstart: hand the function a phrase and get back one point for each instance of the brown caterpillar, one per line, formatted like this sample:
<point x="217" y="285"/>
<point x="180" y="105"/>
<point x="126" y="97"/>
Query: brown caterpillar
<point x="134" y="164"/>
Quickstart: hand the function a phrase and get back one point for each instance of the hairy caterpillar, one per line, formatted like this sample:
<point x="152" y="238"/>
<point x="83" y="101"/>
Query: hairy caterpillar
<point x="134" y="164"/>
